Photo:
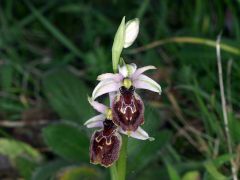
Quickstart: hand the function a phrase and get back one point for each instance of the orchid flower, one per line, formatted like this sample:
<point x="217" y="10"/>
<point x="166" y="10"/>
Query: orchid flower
<point x="127" y="106"/>
<point x="105" y="145"/>
<point x="106" y="142"/>
<point x="106" y="113"/>
<point x="128" y="76"/>
<point x="126" y="112"/>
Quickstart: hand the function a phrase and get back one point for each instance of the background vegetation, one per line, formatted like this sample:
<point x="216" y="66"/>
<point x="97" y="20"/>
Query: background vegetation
<point x="50" y="55"/>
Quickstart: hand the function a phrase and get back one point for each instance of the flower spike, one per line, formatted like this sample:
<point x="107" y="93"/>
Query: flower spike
<point x="126" y="112"/>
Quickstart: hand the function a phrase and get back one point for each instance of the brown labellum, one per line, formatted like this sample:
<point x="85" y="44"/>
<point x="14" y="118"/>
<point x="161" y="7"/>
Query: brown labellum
<point x="105" y="145"/>
<point x="128" y="109"/>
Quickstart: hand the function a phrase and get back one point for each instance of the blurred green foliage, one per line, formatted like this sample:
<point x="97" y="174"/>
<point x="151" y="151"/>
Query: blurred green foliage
<point x="50" y="55"/>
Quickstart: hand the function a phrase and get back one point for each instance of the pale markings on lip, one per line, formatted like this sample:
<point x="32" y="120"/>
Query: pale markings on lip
<point x="108" y="142"/>
<point x="97" y="139"/>
<point x="100" y="147"/>
<point x="125" y="106"/>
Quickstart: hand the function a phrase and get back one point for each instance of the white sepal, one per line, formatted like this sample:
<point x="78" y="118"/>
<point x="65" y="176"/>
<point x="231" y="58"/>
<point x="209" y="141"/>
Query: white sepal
<point x="141" y="70"/>
<point x="105" y="86"/>
<point x="98" y="106"/>
<point x="144" y="82"/>
<point x="96" y="121"/>
<point x="138" y="134"/>
<point x="107" y="76"/>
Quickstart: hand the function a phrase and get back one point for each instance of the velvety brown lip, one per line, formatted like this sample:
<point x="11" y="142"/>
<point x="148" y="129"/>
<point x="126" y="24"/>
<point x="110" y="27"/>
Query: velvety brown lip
<point x="104" y="149"/>
<point x="128" y="110"/>
<point x="105" y="145"/>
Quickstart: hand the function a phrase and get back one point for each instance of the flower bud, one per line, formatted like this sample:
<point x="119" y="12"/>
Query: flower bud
<point x="131" y="32"/>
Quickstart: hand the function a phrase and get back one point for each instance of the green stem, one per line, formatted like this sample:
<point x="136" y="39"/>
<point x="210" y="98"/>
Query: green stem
<point x="191" y="40"/>
<point x="122" y="161"/>
<point x="113" y="172"/>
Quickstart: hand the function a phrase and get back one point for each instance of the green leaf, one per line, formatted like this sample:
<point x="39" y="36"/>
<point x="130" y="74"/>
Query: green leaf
<point x="118" y="44"/>
<point x="172" y="172"/>
<point x="76" y="173"/>
<point x="147" y="149"/>
<point x="14" y="149"/>
<point x="68" y="96"/>
<point x="67" y="141"/>
<point x="25" y="167"/>
<point x="47" y="171"/>
<point x="144" y="152"/>
<point x="212" y="170"/>
<point x="191" y="175"/>
<point x="23" y="157"/>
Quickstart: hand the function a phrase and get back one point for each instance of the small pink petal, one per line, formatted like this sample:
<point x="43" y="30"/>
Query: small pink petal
<point x="144" y="82"/>
<point x="97" y="106"/>
<point x="142" y="70"/>
<point x="96" y="121"/>
<point x="115" y="77"/>
<point x="104" y="87"/>
<point x="138" y="134"/>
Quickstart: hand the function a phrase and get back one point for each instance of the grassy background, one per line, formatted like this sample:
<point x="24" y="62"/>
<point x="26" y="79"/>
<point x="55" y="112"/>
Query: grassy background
<point x="50" y="55"/>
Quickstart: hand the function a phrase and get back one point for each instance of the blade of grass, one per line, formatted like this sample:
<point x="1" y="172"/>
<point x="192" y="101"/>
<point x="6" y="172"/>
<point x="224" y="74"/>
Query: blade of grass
<point x="224" y="108"/>
<point x="26" y="20"/>
<point x="142" y="9"/>
<point x="209" y="119"/>
<point x="190" y="40"/>
<point x="54" y="31"/>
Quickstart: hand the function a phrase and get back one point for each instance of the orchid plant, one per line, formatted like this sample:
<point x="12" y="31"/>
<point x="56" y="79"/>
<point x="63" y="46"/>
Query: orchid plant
<point x="125" y="114"/>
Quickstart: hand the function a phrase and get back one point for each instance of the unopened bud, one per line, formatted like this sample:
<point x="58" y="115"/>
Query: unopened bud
<point x="131" y="32"/>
